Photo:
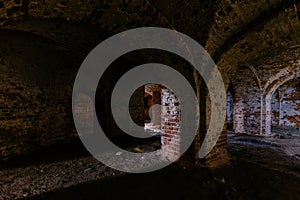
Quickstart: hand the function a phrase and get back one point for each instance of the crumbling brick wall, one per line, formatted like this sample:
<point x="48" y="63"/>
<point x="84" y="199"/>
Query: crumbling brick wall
<point x="170" y="124"/>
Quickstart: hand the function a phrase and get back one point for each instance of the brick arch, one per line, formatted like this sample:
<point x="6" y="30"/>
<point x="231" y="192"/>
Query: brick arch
<point x="286" y="74"/>
<point x="247" y="87"/>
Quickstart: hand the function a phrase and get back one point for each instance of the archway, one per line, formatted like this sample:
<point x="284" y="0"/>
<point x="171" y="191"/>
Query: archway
<point x="290" y="104"/>
<point x="247" y="100"/>
<point x="286" y="74"/>
<point x="163" y="110"/>
<point x="152" y="102"/>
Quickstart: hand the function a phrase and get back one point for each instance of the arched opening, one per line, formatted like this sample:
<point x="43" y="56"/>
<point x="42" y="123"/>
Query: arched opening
<point x="247" y="101"/>
<point x="285" y="75"/>
<point x="152" y="103"/>
<point x="162" y="118"/>
<point x="290" y="104"/>
<point x="287" y="122"/>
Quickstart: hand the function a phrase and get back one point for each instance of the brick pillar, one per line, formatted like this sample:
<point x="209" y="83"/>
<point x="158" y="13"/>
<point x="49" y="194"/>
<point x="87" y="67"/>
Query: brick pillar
<point x="218" y="154"/>
<point x="170" y="124"/>
<point x="268" y="115"/>
<point x="239" y="116"/>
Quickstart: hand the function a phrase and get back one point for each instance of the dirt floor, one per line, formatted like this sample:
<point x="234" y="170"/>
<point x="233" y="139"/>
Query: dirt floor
<point x="260" y="168"/>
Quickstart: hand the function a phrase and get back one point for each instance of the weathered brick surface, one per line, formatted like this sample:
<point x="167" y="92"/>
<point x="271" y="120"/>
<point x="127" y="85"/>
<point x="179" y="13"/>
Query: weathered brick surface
<point x="289" y="114"/>
<point x="230" y="16"/>
<point x="10" y="11"/>
<point x="233" y="32"/>
<point x="170" y="125"/>
<point x="35" y="93"/>
<point x="275" y="105"/>
<point x="32" y="115"/>
<point x="257" y="104"/>
<point x="218" y="155"/>
<point x="264" y="37"/>
<point x="114" y="16"/>
<point x="83" y="106"/>
<point x="247" y="102"/>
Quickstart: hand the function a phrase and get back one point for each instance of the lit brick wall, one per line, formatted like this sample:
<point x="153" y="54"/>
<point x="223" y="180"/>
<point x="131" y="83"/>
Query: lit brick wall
<point x="290" y="104"/>
<point x="258" y="104"/>
<point x="170" y="124"/>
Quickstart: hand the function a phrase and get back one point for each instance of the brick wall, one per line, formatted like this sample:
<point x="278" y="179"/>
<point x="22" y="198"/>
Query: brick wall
<point x="170" y="125"/>
<point x="32" y="114"/>
<point x="71" y="10"/>
<point x="275" y="109"/>
<point x="10" y="11"/>
<point x="258" y="104"/>
<point x="290" y="104"/>
<point x="36" y="82"/>
<point x="247" y="102"/>
<point x="218" y="155"/>
<point x="83" y="107"/>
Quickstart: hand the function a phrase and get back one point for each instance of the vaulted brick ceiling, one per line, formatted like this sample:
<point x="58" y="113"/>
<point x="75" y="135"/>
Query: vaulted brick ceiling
<point x="234" y="32"/>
